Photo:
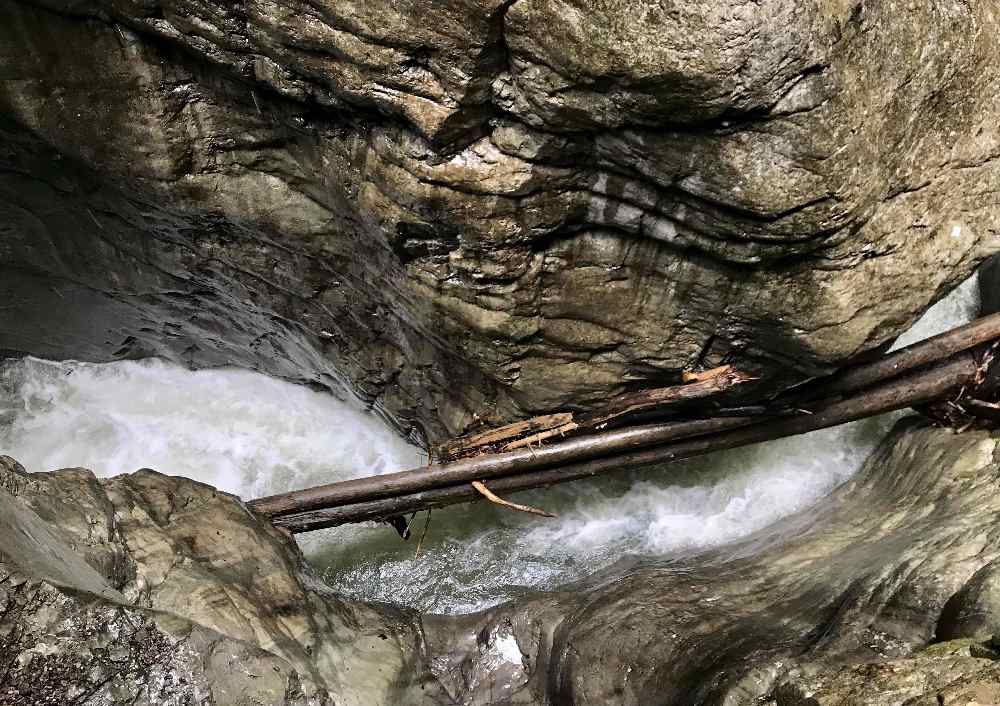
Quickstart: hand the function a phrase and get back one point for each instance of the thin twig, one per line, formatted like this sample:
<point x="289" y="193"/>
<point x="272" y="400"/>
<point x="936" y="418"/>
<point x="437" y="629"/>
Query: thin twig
<point x="540" y="437"/>
<point x="420" y="542"/>
<point x="493" y="498"/>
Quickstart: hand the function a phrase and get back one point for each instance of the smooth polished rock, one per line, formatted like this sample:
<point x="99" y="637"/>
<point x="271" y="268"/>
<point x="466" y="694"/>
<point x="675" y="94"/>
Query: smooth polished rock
<point x="884" y="591"/>
<point x="880" y="594"/>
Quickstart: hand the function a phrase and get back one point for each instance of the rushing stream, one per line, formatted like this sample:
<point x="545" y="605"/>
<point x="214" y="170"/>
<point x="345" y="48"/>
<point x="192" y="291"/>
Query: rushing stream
<point x="254" y="435"/>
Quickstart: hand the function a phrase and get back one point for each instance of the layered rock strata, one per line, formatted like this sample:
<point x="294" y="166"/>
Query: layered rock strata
<point x="474" y="210"/>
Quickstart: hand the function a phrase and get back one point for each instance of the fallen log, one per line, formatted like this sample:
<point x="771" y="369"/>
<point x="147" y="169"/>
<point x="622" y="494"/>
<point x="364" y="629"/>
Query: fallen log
<point x="487" y="467"/>
<point x="705" y="385"/>
<point x="915" y="388"/>
<point x="917" y="355"/>
<point x="533" y="431"/>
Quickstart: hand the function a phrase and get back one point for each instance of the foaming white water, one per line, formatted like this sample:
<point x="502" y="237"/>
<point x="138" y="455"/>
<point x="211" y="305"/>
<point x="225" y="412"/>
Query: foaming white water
<point x="713" y="500"/>
<point x="240" y="431"/>
<point x="478" y="555"/>
<point x="253" y="435"/>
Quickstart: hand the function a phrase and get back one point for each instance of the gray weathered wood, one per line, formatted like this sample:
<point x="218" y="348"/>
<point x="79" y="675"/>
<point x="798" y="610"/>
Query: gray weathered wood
<point x="912" y="389"/>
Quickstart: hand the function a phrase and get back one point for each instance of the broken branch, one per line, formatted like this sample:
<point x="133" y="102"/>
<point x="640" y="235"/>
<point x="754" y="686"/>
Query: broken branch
<point x="489" y="466"/>
<point x="493" y="498"/>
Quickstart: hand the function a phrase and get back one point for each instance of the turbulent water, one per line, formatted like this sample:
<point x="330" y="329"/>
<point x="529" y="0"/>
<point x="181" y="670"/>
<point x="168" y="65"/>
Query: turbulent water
<point x="253" y="435"/>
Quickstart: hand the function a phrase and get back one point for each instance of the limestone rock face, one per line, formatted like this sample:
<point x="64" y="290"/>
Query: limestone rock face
<point x="152" y="589"/>
<point x="157" y="590"/>
<point x="950" y="674"/>
<point x="67" y="647"/>
<point x="490" y="207"/>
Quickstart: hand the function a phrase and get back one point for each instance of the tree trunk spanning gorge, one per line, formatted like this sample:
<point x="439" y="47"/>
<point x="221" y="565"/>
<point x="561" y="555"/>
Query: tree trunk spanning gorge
<point x="944" y="371"/>
<point x="490" y="210"/>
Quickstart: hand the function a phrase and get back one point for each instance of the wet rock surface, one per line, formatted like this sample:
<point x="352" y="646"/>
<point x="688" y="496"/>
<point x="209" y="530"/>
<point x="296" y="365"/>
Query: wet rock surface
<point x="160" y="590"/>
<point x="836" y="605"/>
<point x="471" y="211"/>
<point x="883" y="593"/>
<point x="546" y="200"/>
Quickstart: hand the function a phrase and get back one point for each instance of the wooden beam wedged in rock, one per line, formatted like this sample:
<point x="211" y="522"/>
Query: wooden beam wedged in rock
<point x="622" y="440"/>
<point x="532" y="432"/>
<point x="914" y="356"/>
<point x="488" y="467"/>
<point x="920" y="387"/>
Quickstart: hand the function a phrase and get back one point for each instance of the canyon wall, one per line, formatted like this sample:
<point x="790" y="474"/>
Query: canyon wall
<point x="477" y="210"/>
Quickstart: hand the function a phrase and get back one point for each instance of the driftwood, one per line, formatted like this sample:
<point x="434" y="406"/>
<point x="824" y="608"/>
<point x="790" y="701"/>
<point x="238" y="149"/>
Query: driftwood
<point x="535" y="439"/>
<point x="930" y="375"/>
<point x="912" y="389"/>
<point x="490" y="466"/>
<point x="720" y="380"/>
<point x="481" y="488"/>
<point x="463" y="444"/>
<point x="696" y="376"/>
<point x="536" y="430"/>
<point x="917" y="355"/>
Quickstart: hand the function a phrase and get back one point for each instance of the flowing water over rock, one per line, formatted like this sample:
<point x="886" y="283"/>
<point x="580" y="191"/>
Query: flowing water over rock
<point x="254" y="435"/>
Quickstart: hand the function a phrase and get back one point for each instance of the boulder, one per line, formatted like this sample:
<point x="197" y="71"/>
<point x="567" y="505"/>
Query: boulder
<point x="470" y="210"/>
<point x="158" y="590"/>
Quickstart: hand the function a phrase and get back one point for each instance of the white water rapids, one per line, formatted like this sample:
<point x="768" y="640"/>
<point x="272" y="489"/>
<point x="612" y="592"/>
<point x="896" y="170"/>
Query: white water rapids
<point x="253" y="435"/>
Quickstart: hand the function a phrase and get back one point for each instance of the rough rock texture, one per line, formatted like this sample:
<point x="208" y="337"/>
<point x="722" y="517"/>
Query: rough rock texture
<point x="147" y="589"/>
<point x="490" y="207"/>
<point x="154" y="587"/>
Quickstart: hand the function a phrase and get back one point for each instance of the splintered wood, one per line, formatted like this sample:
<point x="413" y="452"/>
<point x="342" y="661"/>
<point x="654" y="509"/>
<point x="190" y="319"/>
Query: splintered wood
<point x="537" y="430"/>
<point x="482" y="442"/>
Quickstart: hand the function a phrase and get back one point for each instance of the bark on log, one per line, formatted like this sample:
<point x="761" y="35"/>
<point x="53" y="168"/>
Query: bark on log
<point x="916" y="355"/>
<point x="487" y="467"/>
<point x="538" y="429"/>
<point x="899" y="393"/>
<point x="721" y="380"/>
<point x="457" y="446"/>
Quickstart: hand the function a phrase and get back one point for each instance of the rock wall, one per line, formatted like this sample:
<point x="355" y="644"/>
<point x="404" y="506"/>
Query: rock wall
<point x="482" y="209"/>
<point x="885" y="593"/>
<point x="152" y="589"/>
